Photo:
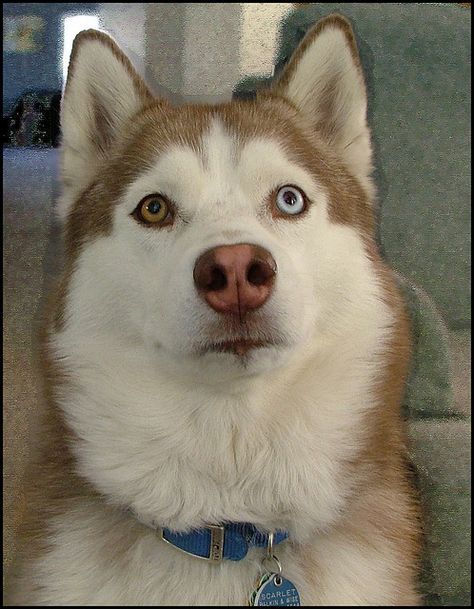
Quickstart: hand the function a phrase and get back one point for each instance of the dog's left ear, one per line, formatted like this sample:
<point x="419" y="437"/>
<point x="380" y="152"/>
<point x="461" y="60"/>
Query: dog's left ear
<point x="103" y="92"/>
<point x="324" y="80"/>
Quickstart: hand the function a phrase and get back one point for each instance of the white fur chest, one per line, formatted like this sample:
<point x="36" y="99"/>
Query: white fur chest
<point x="269" y="451"/>
<point x="188" y="459"/>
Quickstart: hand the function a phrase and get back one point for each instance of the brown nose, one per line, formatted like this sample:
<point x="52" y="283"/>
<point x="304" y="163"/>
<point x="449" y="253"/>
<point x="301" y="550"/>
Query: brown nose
<point x="235" y="278"/>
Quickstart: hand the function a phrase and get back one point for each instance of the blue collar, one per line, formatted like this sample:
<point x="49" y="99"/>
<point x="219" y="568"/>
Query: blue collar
<point x="229" y="541"/>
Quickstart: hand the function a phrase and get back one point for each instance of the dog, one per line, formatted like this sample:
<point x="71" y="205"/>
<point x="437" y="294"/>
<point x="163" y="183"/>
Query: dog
<point x="226" y="351"/>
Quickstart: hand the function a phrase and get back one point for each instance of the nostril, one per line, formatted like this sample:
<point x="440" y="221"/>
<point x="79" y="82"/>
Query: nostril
<point x="209" y="275"/>
<point x="216" y="279"/>
<point x="260" y="273"/>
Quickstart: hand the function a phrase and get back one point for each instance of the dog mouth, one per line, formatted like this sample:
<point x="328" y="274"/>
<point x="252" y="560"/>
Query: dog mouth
<point x="240" y="346"/>
<point x="231" y="335"/>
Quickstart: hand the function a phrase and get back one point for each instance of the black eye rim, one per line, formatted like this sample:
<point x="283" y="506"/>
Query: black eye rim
<point x="167" y="221"/>
<point x="276" y="211"/>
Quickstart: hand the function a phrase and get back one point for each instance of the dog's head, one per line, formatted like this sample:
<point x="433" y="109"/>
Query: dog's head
<point x="233" y="234"/>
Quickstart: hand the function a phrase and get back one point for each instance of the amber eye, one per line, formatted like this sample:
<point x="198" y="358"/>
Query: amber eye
<point x="153" y="209"/>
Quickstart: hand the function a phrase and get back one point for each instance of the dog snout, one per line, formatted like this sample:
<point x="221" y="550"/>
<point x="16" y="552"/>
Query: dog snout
<point x="235" y="279"/>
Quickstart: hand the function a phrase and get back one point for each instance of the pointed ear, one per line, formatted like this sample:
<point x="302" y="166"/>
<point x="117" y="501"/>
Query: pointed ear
<point x="102" y="92"/>
<point x="324" y="80"/>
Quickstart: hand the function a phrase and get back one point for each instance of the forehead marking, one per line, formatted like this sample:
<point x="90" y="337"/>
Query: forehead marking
<point x="226" y="169"/>
<point x="219" y="148"/>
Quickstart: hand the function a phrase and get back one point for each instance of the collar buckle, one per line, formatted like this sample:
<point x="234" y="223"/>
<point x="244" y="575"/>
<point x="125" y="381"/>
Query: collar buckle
<point x="216" y="551"/>
<point x="216" y="547"/>
<point x="210" y="542"/>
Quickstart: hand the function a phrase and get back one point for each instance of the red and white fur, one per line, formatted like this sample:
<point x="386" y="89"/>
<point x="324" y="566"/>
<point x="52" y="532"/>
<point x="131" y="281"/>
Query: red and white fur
<point x="300" y="429"/>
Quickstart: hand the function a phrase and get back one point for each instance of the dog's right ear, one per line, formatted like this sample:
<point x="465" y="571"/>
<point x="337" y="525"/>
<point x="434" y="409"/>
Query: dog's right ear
<point x="103" y="91"/>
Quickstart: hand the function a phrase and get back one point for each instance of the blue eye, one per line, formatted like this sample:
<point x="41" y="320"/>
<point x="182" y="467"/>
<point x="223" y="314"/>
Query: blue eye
<point x="290" y="201"/>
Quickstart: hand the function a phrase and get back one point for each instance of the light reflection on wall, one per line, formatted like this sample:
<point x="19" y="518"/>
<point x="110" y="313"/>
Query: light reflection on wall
<point x="72" y="27"/>
<point x="259" y="37"/>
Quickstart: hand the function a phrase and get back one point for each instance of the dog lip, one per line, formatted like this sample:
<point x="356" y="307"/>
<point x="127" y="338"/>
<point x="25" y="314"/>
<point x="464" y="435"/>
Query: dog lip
<point x="239" y="346"/>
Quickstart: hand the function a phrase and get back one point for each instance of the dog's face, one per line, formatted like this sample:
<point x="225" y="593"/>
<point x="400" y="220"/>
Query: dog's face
<point x="230" y="235"/>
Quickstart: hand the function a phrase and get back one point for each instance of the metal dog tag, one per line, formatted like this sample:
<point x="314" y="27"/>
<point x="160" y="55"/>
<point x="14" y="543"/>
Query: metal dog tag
<point x="274" y="590"/>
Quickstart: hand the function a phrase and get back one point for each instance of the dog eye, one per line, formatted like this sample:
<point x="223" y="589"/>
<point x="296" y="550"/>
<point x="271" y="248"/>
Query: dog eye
<point x="154" y="209"/>
<point x="290" y="201"/>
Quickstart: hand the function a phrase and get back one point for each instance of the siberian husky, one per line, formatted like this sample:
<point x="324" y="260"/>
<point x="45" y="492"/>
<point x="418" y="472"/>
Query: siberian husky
<point x="226" y="353"/>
